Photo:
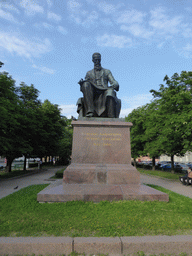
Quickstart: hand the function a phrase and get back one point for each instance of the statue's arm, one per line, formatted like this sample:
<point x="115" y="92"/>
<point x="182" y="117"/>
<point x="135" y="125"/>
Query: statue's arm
<point x="112" y="81"/>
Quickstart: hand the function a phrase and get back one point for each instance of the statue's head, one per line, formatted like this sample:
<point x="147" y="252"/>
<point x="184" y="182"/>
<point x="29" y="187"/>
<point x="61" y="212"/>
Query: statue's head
<point x="96" y="58"/>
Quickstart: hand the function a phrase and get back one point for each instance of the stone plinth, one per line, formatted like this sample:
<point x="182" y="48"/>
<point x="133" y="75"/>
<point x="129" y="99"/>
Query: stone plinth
<point x="101" y="153"/>
<point x="101" y="166"/>
<point x="97" y="193"/>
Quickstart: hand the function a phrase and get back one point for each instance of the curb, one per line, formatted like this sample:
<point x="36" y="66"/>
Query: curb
<point x="96" y="245"/>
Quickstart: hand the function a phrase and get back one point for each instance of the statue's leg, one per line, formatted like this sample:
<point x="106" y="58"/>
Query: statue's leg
<point x="88" y="93"/>
<point x="111" y="107"/>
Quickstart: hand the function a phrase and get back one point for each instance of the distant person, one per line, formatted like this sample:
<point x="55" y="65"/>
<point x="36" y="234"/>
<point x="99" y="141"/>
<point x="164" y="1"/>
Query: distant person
<point x="189" y="175"/>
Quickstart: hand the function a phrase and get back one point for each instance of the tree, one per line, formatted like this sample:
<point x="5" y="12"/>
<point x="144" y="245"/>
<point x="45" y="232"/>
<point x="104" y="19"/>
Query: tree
<point x="11" y="140"/>
<point x="137" y="117"/>
<point x="30" y="104"/>
<point x="175" y="107"/>
<point x="52" y="128"/>
<point x="153" y="126"/>
<point x="65" y="144"/>
<point x="1" y="64"/>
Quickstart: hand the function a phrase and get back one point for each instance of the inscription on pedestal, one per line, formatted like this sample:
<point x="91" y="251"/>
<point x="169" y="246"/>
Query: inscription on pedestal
<point x="102" y="139"/>
<point x="101" y="143"/>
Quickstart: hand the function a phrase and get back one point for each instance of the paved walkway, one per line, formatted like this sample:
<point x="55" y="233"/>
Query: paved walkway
<point x="175" y="186"/>
<point x="7" y="186"/>
<point x="93" y="245"/>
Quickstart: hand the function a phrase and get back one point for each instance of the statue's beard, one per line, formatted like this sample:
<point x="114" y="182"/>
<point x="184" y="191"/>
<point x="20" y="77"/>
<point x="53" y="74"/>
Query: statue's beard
<point x="97" y="67"/>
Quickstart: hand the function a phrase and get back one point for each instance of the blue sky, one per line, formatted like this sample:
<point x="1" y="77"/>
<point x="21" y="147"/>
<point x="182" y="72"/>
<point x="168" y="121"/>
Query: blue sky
<point x="50" y="44"/>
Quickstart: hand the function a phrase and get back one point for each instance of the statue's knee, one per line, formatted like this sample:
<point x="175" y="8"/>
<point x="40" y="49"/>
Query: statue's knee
<point x="86" y="86"/>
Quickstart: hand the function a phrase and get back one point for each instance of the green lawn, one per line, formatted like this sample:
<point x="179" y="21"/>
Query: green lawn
<point x="162" y="174"/>
<point x="22" y="215"/>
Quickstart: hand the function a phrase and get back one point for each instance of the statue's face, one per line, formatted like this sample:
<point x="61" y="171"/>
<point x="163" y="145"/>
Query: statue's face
<point x="97" y="60"/>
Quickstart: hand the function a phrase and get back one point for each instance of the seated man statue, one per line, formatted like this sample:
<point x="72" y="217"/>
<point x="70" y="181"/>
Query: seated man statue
<point x="99" y="99"/>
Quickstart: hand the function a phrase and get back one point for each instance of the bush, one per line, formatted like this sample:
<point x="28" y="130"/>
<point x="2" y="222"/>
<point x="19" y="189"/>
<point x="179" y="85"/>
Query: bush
<point x="59" y="174"/>
<point x="31" y="165"/>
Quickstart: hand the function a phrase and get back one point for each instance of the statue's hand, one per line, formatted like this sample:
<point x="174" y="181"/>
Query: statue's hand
<point x="116" y="87"/>
<point x="81" y="81"/>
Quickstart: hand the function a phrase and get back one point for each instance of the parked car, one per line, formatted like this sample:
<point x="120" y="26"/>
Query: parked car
<point x="177" y="167"/>
<point x="189" y="165"/>
<point x="184" y="167"/>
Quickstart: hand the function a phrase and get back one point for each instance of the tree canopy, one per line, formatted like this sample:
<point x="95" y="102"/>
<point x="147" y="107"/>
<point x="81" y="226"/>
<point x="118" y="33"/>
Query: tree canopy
<point x="164" y="125"/>
<point x="29" y="127"/>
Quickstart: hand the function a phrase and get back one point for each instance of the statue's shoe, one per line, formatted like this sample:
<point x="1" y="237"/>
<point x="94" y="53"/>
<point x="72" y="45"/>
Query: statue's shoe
<point x="90" y="114"/>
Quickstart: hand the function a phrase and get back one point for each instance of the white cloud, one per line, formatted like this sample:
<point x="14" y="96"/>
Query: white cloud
<point x="9" y="7"/>
<point x="53" y="16"/>
<point x="91" y="19"/>
<point x="133" y="102"/>
<point x="186" y="51"/>
<point x="186" y="30"/>
<point x="138" y="30"/>
<point x="47" y="25"/>
<point x="44" y="69"/>
<point x="81" y="16"/>
<point x="114" y="41"/>
<point x="24" y="47"/>
<point x="69" y="110"/>
<point x="49" y="3"/>
<point x="7" y="16"/>
<point x="106" y="8"/>
<point x="163" y="24"/>
<point x="31" y="8"/>
<point x="62" y="30"/>
<point x="43" y="25"/>
<point x="131" y="16"/>
<point x="73" y="6"/>
<point x="106" y="22"/>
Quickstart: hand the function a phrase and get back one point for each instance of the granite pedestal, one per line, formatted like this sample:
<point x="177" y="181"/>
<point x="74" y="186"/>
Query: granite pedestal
<point x="101" y="166"/>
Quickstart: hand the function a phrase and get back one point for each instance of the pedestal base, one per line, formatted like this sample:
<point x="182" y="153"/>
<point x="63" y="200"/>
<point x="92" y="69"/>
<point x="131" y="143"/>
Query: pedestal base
<point x="101" y="174"/>
<point x="101" y="166"/>
<point x="97" y="193"/>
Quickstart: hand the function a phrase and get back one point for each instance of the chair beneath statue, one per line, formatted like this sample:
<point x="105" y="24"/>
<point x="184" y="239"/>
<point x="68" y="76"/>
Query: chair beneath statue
<point x="82" y="112"/>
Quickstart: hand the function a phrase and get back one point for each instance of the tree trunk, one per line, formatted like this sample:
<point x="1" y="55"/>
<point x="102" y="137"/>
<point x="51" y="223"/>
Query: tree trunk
<point x="153" y="163"/>
<point x="134" y="162"/>
<point x="24" y="166"/>
<point x="9" y="163"/>
<point x="172" y="164"/>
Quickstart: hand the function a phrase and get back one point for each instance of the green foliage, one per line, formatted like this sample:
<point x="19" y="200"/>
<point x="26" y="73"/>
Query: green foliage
<point x="65" y="144"/>
<point x="59" y="174"/>
<point x="29" y="127"/>
<point x="165" y="125"/>
<point x="137" y="118"/>
<point x="12" y="143"/>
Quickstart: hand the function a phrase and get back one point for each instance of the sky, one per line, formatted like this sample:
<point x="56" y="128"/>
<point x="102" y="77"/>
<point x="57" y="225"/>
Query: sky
<point x="50" y="44"/>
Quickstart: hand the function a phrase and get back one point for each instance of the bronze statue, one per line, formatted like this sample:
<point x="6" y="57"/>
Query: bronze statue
<point x="99" y="99"/>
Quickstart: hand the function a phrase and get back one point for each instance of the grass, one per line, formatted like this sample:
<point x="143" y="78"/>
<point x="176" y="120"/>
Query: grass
<point x="59" y="174"/>
<point x="22" y="215"/>
<point x="162" y="174"/>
